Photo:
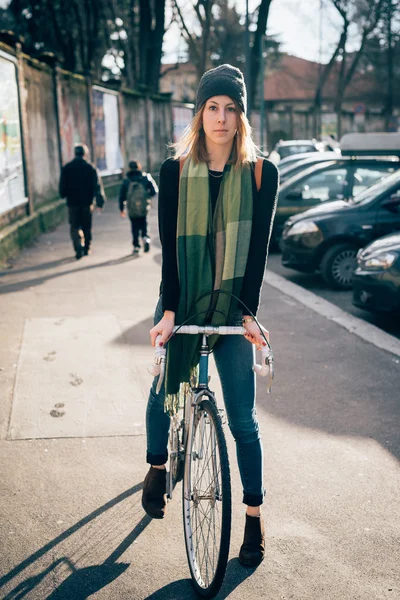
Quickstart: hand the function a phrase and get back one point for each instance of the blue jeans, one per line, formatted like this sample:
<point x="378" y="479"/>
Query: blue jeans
<point x="234" y="357"/>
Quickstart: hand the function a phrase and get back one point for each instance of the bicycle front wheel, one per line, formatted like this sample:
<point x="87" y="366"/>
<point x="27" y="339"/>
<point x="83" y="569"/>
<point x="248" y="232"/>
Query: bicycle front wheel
<point x="207" y="503"/>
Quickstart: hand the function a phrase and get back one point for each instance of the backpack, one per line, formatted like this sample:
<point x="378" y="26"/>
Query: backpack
<point x="137" y="199"/>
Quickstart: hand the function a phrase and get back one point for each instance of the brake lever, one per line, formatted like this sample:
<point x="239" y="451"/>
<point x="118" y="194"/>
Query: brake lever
<point x="267" y="366"/>
<point x="158" y="366"/>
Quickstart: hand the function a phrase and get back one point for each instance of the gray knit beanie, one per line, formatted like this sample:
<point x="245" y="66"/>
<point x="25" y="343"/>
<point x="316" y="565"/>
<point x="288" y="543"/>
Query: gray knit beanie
<point x="224" y="80"/>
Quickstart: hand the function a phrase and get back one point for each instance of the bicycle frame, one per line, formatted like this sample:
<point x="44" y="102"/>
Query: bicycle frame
<point x="191" y="401"/>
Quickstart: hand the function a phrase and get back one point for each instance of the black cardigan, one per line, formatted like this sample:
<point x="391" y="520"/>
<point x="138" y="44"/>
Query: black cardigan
<point x="263" y="214"/>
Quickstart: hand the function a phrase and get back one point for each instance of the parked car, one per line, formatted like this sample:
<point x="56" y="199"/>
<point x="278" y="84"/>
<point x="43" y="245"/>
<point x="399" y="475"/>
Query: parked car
<point x="339" y="179"/>
<point x="376" y="280"/>
<point x="294" y="158"/>
<point x="328" y="237"/>
<point x="303" y="162"/>
<point x="285" y="148"/>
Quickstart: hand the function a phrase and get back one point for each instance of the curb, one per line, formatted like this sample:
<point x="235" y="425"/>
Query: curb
<point x="14" y="237"/>
<point x="366" y="331"/>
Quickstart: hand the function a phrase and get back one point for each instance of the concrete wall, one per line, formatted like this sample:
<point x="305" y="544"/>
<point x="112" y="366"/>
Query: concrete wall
<point x="161" y="132"/>
<point x="43" y="133"/>
<point x="134" y="127"/>
<point x="73" y="113"/>
<point x="57" y="112"/>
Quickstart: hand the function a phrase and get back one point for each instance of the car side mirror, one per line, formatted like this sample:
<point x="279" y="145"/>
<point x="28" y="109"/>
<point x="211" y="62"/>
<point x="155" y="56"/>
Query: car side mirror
<point x="392" y="204"/>
<point x="296" y="194"/>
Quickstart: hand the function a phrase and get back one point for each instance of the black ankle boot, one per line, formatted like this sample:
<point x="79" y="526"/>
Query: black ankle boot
<point x="154" y="499"/>
<point x="253" y="547"/>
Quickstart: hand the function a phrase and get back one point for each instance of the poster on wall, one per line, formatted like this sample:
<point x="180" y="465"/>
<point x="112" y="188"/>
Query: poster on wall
<point x="12" y="187"/>
<point x="328" y="124"/>
<point x="106" y="131"/>
<point x="74" y="128"/>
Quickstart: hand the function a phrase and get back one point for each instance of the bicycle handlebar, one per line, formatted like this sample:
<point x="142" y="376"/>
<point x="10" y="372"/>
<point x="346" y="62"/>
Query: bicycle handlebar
<point x="267" y="356"/>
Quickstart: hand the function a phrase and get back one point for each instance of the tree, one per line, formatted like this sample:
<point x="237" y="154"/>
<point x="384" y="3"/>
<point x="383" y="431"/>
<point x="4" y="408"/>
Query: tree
<point x="261" y="29"/>
<point x="82" y="32"/>
<point x="228" y="34"/>
<point x="75" y="31"/>
<point x="381" y="59"/>
<point x="217" y="35"/>
<point x="197" y="34"/>
<point x="365" y="15"/>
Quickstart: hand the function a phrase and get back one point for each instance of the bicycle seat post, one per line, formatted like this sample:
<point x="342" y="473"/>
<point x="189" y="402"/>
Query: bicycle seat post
<point x="203" y="364"/>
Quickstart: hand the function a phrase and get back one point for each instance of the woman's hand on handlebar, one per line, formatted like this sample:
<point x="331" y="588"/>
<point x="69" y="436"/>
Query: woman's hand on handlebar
<point x="163" y="328"/>
<point x="253" y="334"/>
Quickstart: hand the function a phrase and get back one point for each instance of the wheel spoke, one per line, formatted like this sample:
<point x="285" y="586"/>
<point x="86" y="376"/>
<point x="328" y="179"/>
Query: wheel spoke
<point x="206" y="535"/>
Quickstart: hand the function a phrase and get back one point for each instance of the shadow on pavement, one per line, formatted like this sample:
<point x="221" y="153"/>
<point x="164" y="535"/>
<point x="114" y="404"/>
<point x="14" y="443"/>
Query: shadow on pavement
<point x="82" y="582"/>
<point x="138" y="335"/>
<point x="158" y="258"/>
<point x="39" y="267"/>
<point x="235" y="575"/>
<point x="327" y="379"/>
<point x="26" y="283"/>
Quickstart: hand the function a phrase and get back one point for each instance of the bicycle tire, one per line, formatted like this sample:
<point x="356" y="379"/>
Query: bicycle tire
<point x="207" y="500"/>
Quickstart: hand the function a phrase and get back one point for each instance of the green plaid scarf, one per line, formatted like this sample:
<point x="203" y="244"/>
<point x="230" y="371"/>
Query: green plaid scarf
<point x="212" y="255"/>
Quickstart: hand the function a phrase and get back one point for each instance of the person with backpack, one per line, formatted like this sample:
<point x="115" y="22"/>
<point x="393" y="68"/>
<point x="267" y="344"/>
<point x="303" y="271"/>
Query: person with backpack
<point x="216" y="208"/>
<point x="134" y="198"/>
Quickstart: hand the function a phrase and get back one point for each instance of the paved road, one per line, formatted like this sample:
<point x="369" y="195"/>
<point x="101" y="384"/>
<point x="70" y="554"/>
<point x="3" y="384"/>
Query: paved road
<point x="73" y="386"/>
<point x="315" y="283"/>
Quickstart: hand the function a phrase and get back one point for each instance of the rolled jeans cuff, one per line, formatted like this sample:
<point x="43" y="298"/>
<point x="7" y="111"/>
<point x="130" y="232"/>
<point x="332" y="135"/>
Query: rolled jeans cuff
<point x="156" y="459"/>
<point x="253" y="499"/>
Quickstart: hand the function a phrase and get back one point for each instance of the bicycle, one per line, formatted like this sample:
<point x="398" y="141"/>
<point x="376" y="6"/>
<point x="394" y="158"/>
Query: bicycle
<point x="199" y="455"/>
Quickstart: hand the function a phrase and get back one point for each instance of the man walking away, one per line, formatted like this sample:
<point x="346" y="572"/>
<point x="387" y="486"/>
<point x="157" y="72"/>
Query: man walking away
<point x="134" y="198"/>
<point x="80" y="184"/>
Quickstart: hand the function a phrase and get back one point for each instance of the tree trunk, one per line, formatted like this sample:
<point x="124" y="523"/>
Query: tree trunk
<point x="341" y="82"/>
<point x="155" y="49"/>
<point x="345" y="76"/>
<point x="262" y="22"/>
<point x="144" y="39"/>
<point x="389" y="102"/>
<point x="322" y="81"/>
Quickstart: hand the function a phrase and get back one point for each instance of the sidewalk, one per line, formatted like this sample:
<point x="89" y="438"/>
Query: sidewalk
<point x="81" y="325"/>
<point x="73" y="383"/>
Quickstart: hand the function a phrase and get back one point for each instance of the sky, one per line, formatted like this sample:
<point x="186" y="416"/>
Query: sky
<point x="295" y="22"/>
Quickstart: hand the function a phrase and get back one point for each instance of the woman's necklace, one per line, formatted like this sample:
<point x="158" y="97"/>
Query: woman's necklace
<point x="215" y="176"/>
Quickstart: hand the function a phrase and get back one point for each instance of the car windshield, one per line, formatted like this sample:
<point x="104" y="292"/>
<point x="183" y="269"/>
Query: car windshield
<point x="292" y="168"/>
<point x="285" y="151"/>
<point x="377" y="189"/>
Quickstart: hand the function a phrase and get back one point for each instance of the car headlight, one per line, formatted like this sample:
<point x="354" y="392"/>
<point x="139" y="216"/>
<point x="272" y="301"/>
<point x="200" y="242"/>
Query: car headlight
<point x="378" y="262"/>
<point x="302" y="227"/>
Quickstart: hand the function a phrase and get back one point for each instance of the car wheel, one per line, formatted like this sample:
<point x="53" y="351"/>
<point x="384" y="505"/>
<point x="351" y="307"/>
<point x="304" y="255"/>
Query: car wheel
<point x="338" y="265"/>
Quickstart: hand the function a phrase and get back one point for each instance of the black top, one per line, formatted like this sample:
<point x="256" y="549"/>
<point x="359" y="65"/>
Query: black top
<point x="263" y="213"/>
<point x="79" y="182"/>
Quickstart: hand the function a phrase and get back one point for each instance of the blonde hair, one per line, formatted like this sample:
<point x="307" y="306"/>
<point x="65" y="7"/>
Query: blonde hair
<point x="193" y="143"/>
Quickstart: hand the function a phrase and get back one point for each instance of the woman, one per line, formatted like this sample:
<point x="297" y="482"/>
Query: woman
<point x="215" y="228"/>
